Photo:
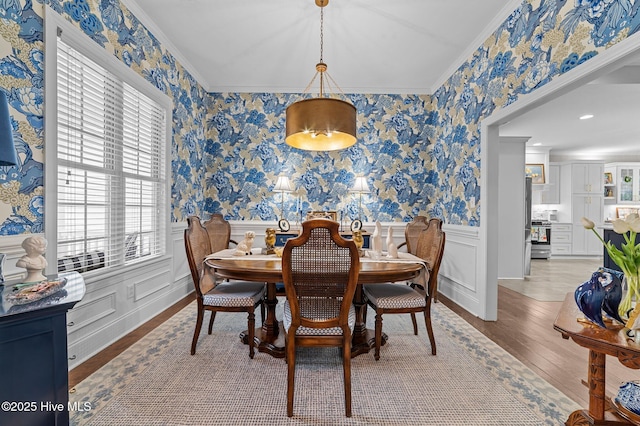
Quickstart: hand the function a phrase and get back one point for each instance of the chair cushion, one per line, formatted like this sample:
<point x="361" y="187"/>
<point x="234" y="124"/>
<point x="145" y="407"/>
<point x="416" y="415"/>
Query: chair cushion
<point x="308" y="331"/>
<point x="235" y="293"/>
<point x="394" y="296"/>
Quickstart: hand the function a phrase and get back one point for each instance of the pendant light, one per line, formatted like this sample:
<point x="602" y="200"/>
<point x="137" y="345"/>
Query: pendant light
<point x="322" y="123"/>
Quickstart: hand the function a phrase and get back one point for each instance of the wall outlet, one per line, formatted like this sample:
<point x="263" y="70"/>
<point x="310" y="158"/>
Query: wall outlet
<point x="130" y="291"/>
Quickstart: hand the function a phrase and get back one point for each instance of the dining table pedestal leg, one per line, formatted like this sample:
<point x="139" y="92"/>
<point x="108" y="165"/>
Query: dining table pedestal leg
<point x="363" y="339"/>
<point x="268" y="338"/>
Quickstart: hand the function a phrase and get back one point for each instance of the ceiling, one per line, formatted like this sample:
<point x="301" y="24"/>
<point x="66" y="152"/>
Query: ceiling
<point x="614" y="130"/>
<point x="373" y="46"/>
<point x="370" y="46"/>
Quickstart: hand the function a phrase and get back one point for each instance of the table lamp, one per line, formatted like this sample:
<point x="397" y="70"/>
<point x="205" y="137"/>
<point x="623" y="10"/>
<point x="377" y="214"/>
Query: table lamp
<point x="283" y="185"/>
<point x="361" y="187"/>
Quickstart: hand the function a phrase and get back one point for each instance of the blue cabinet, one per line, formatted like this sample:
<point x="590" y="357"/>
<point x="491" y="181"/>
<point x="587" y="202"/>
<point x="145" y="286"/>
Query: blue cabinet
<point x="33" y="353"/>
<point x="617" y="240"/>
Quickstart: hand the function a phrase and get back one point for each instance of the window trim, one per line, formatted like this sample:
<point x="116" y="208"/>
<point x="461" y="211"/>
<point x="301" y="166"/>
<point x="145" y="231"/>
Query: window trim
<point x="54" y="24"/>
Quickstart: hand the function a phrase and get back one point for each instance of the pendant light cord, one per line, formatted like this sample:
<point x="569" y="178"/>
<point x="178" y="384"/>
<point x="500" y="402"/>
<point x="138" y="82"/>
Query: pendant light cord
<point x="321" y="47"/>
<point x="321" y="67"/>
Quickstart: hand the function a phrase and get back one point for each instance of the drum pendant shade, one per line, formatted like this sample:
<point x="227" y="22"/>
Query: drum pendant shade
<point x="321" y="124"/>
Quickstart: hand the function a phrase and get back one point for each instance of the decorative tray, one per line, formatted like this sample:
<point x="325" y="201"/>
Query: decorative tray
<point x="21" y="294"/>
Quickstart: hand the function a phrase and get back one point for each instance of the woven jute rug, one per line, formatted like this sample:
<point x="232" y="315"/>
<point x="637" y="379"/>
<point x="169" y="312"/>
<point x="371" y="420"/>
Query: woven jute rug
<point x="471" y="381"/>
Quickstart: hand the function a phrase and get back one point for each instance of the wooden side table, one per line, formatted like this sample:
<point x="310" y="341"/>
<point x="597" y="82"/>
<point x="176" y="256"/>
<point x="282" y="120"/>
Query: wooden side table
<point x="600" y="342"/>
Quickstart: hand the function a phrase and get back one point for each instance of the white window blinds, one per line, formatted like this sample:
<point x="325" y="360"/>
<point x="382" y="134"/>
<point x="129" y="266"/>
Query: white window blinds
<point x="111" y="173"/>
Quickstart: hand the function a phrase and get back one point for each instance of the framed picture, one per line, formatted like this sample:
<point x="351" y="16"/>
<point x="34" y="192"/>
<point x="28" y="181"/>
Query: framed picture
<point x="622" y="212"/>
<point x="332" y="215"/>
<point x="608" y="178"/>
<point x="535" y="172"/>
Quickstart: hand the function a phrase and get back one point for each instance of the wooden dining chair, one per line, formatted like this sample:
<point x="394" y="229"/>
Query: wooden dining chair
<point x="219" y="230"/>
<point x="412" y="231"/>
<point x="389" y="298"/>
<point x="213" y="296"/>
<point x="320" y="271"/>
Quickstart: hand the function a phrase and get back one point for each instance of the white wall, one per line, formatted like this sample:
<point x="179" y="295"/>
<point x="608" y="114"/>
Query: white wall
<point x="511" y="214"/>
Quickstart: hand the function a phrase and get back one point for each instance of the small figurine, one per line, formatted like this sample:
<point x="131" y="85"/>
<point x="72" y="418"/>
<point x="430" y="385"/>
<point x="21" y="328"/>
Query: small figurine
<point x="392" y="249"/>
<point x="270" y="240"/>
<point x="34" y="261"/>
<point x="376" y="239"/>
<point x="359" y="240"/>
<point x="244" y="247"/>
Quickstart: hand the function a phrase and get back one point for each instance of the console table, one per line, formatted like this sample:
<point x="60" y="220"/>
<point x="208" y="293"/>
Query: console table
<point x="33" y="354"/>
<point x="600" y="342"/>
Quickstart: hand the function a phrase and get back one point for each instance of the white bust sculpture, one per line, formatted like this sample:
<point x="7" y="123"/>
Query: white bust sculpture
<point x="33" y="261"/>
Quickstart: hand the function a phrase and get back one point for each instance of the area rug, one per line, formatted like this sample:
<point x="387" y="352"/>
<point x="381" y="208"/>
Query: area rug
<point x="471" y="381"/>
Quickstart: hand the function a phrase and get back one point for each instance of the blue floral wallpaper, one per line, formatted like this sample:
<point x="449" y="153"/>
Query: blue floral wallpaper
<point x="420" y="153"/>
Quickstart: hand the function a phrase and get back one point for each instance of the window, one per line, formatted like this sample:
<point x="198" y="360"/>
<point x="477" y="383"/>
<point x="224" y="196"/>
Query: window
<point x="110" y="155"/>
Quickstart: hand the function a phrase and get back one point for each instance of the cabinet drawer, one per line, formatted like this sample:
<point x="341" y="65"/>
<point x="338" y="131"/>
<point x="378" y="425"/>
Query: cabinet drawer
<point x="561" y="227"/>
<point x="560" y="248"/>
<point x="561" y="237"/>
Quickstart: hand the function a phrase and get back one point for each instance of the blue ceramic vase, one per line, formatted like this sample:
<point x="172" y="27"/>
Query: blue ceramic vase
<point x="611" y="280"/>
<point x="603" y="292"/>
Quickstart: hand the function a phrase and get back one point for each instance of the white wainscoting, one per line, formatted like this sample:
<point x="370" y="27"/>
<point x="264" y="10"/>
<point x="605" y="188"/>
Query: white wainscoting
<point x="460" y="272"/>
<point x="117" y="303"/>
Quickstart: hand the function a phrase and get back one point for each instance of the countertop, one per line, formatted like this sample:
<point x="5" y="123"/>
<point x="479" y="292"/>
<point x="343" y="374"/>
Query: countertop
<point x="70" y="292"/>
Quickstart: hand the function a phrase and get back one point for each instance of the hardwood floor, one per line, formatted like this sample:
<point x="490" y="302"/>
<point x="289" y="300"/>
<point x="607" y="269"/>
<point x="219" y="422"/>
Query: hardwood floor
<point x="524" y="329"/>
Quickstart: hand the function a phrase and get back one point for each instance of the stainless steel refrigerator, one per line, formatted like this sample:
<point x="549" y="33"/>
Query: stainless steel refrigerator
<point x="527" y="226"/>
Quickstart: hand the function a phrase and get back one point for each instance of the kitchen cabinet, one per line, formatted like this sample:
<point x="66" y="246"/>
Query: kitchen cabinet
<point x="561" y="239"/>
<point x="551" y="195"/>
<point x="587" y="178"/>
<point x="628" y="183"/>
<point x="584" y="241"/>
<point x="581" y="196"/>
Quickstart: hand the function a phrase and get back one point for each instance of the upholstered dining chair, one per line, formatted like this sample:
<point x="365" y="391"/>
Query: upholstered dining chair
<point x="389" y="298"/>
<point x="412" y="231"/>
<point x="219" y="230"/>
<point x="320" y="271"/>
<point x="213" y="296"/>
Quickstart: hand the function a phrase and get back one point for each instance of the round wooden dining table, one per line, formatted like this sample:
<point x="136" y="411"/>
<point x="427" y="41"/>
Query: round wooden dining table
<point x="270" y="337"/>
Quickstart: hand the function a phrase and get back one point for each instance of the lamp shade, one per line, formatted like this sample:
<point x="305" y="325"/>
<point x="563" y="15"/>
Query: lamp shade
<point x="360" y="185"/>
<point x="8" y="155"/>
<point x="321" y="124"/>
<point x="283" y="184"/>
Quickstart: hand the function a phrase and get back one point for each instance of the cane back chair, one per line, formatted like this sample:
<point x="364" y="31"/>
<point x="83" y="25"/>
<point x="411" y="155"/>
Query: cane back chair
<point x="227" y="296"/>
<point x="320" y="272"/>
<point x="219" y="231"/>
<point x="412" y="231"/>
<point x="388" y="298"/>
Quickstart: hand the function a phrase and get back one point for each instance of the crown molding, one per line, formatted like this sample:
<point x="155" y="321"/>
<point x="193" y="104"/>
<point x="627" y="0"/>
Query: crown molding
<point x="151" y="26"/>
